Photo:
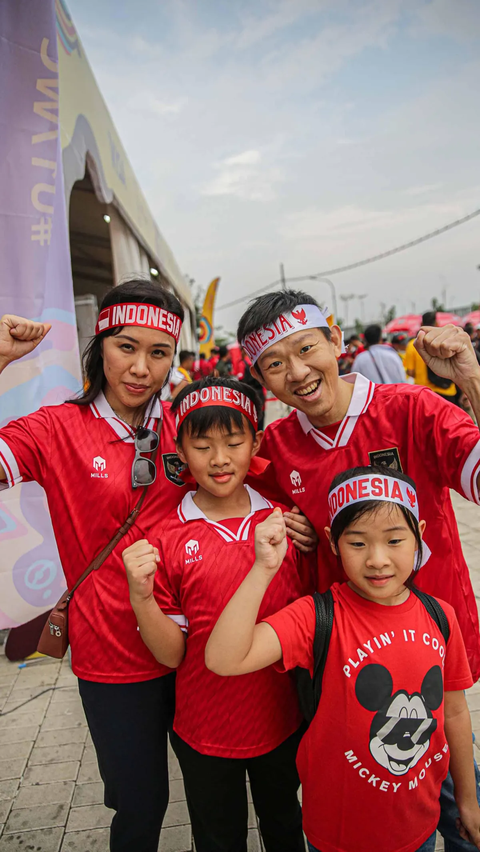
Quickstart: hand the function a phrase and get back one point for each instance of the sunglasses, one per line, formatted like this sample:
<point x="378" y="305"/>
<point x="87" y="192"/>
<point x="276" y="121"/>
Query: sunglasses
<point x="144" y="471"/>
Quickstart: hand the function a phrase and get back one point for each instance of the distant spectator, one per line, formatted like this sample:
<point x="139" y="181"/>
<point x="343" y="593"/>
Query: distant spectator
<point x="399" y="343"/>
<point x="202" y="368"/>
<point x="224" y="363"/>
<point x="379" y="363"/>
<point x="422" y="375"/>
<point x="214" y="356"/>
<point x="181" y="376"/>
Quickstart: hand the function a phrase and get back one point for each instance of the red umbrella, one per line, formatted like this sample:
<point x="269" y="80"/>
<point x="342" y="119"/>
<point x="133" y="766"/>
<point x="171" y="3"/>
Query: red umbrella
<point x="409" y="323"/>
<point x="473" y="317"/>
<point x="444" y="318"/>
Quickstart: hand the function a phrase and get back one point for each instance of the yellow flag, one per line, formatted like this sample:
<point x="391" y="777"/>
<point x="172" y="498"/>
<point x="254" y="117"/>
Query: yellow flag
<point x="207" y="333"/>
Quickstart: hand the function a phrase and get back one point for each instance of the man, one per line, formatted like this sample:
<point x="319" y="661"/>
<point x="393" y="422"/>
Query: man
<point x="224" y="363"/>
<point x="379" y="363"/>
<point x="416" y="367"/>
<point x="343" y="422"/>
<point x="399" y="343"/>
<point x="181" y="376"/>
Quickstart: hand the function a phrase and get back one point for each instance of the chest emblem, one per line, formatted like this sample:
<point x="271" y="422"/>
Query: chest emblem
<point x="172" y="467"/>
<point x="192" y="548"/>
<point x="386" y="458"/>
<point x="99" y="466"/>
<point x="296" y="481"/>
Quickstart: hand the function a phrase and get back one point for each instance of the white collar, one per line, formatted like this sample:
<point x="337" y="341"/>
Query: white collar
<point x="363" y="390"/>
<point x="102" y="409"/>
<point x="189" y="511"/>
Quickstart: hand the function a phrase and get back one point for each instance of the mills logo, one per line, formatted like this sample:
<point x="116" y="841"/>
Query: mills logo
<point x="99" y="466"/>
<point x="191" y="549"/>
<point x="296" y="481"/>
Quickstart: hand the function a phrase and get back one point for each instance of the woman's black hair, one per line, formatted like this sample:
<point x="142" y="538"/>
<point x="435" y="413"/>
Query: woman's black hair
<point x="136" y="290"/>
<point x="201" y="420"/>
<point x="266" y="309"/>
<point x="352" y="513"/>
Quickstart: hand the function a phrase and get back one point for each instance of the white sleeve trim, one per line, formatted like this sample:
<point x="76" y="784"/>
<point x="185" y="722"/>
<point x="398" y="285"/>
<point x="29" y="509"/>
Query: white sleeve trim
<point x="470" y="472"/>
<point x="180" y="620"/>
<point x="10" y="466"/>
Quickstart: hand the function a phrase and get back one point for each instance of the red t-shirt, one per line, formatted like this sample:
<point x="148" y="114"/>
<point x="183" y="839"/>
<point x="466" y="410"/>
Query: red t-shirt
<point x="374" y="757"/>
<point x="202" y="564"/>
<point x="82" y="456"/>
<point x="408" y="428"/>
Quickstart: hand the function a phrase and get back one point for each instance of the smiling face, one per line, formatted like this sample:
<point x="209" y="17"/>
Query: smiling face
<point x="301" y="370"/>
<point x="378" y="552"/>
<point x="219" y="460"/>
<point x="135" y="363"/>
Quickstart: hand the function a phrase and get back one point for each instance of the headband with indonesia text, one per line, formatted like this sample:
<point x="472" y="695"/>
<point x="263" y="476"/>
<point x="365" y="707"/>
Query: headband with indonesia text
<point x="372" y="487"/>
<point x="303" y="316"/>
<point x="221" y="396"/>
<point x="145" y="316"/>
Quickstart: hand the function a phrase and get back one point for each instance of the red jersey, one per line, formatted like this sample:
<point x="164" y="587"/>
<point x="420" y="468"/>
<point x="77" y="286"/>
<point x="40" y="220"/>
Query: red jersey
<point x="203" y="562"/>
<point x="82" y="456"/>
<point x="407" y="428"/>
<point x="379" y="725"/>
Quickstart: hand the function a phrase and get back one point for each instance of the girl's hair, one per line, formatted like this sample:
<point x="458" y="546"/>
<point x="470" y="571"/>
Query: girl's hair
<point x="352" y="513"/>
<point x="199" y="421"/>
<point x="136" y="290"/>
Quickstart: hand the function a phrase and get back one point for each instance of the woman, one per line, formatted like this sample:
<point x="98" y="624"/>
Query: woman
<point x="82" y="453"/>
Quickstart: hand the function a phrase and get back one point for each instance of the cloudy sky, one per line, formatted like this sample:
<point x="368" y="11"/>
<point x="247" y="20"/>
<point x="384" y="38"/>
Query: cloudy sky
<point x="310" y="132"/>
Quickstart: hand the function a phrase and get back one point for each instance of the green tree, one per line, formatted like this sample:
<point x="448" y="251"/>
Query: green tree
<point x="437" y="306"/>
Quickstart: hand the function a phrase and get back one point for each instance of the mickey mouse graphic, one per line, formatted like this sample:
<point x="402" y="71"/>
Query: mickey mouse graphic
<point x="403" y="723"/>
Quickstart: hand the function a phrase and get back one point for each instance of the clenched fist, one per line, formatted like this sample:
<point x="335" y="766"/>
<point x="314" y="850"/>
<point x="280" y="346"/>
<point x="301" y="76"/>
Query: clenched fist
<point x="271" y="542"/>
<point x="140" y="560"/>
<point x="19" y="336"/>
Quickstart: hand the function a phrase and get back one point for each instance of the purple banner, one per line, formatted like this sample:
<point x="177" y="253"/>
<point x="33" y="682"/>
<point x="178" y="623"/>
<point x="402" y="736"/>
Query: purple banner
<point x="36" y="282"/>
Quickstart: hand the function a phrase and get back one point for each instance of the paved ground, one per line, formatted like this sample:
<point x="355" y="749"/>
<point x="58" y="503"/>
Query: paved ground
<point x="50" y="790"/>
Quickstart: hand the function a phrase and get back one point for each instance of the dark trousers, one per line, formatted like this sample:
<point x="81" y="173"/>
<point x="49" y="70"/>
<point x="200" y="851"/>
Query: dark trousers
<point x="216" y="795"/>
<point x="129" y="724"/>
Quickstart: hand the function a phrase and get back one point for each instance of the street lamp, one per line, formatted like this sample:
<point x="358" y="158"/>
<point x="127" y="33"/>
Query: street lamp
<point x="346" y="299"/>
<point x="362" y="306"/>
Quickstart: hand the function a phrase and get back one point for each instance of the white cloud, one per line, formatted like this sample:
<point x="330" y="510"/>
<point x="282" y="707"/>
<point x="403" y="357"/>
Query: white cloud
<point x="244" y="176"/>
<point x="147" y="102"/>
<point x="248" y="158"/>
<point x="422" y="190"/>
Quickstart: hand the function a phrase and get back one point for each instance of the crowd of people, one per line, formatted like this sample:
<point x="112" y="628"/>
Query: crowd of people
<point x="326" y="546"/>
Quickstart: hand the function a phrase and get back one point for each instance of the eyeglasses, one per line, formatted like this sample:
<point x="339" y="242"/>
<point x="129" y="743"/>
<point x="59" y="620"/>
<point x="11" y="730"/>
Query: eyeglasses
<point x="144" y="471"/>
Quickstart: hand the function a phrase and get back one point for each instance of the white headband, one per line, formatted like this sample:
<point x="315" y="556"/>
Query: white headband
<point x="372" y="487"/>
<point x="303" y="316"/>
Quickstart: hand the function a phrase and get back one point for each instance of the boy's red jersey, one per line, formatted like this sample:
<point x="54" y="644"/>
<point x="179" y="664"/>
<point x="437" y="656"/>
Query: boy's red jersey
<point x="374" y="757"/>
<point x="406" y="428"/>
<point x="202" y="564"/>
<point x="82" y="456"/>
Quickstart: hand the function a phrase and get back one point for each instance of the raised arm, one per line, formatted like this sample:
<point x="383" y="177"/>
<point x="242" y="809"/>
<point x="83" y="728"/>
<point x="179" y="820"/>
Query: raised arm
<point x="162" y="636"/>
<point x="237" y="644"/>
<point x="18" y="337"/>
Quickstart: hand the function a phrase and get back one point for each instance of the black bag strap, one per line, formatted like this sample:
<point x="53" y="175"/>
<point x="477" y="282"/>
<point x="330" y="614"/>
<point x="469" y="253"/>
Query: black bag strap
<point x="382" y="380"/>
<point x="323" y="631"/>
<point x="435" y="611"/>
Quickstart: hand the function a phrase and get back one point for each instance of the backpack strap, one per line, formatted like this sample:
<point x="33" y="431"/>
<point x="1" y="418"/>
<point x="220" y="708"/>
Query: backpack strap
<point x="323" y="631"/>
<point x="435" y="611"/>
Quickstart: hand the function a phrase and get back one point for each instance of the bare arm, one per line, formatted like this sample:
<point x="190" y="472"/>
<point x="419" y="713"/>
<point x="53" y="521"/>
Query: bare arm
<point x="238" y="645"/>
<point x="18" y="337"/>
<point x="178" y="388"/>
<point x="458" y="730"/>
<point x="162" y="636"/>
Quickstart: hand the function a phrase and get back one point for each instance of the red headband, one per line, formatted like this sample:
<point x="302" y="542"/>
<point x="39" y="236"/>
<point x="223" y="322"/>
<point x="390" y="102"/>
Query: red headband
<point x="217" y="395"/>
<point x="145" y="316"/>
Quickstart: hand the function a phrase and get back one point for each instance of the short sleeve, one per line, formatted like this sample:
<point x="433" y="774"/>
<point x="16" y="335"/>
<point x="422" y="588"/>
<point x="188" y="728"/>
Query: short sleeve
<point x="409" y="362"/>
<point x="25" y="448"/>
<point x="457" y="674"/>
<point x="449" y="443"/>
<point x="165" y="592"/>
<point x="295" y="628"/>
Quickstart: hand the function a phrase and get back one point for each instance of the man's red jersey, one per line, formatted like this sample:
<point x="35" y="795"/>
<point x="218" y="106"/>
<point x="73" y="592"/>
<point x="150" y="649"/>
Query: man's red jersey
<point x="202" y="564"/>
<point x="374" y="757"/>
<point x="407" y="428"/>
<point x="82" y="456"/>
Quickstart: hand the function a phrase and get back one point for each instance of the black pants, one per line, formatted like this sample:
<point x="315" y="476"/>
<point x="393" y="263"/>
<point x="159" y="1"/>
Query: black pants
<point x="217" y="797"/>
<point x="129" y="723"/>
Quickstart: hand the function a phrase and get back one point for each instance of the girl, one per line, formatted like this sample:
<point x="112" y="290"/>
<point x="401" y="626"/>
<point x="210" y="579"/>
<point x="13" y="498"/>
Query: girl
<point x="223" y="729"/>
<point x="392" y="706"/>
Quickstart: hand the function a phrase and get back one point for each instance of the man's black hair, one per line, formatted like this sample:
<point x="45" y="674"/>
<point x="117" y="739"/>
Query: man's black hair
<point x="184" y="355"/>
<point x="429" y="318"/>
<point x="355" y="511"/>
<point x="202" y="356"/>
<point x="267" y="308"/>
<point x="223" y="351"/>
<point x="372" y="334"/>
<point x="201" y="420"/>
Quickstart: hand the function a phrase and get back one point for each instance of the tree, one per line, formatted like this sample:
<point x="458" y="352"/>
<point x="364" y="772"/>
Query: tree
<point x="387" y="315"/>
<point x="358" y="326"/>
<point x="437" y="306"/>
